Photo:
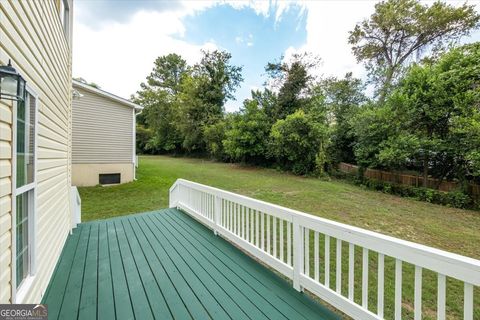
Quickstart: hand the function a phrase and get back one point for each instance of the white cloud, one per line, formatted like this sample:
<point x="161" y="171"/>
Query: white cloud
<point x="328" y="25"/>
<point x="118" y="56"/>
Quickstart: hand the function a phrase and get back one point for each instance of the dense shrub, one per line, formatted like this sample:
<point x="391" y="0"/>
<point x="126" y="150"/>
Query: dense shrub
<point x="296" y="142"/>
<point x="456" y="199"/>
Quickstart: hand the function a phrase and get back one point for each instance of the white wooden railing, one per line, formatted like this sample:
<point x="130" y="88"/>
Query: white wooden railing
<point x="298" y="245"/>
<point x="76" y="202"/>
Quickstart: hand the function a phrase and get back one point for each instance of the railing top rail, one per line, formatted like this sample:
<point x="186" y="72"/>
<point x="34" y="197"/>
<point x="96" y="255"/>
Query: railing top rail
<point x="461" y="267"/>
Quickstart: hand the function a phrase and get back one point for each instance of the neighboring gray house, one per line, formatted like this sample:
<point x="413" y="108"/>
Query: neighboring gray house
<point x="103" y="137"/>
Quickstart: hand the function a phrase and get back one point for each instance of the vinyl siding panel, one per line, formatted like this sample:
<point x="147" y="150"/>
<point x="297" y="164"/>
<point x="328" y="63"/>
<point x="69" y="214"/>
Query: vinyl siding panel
<point x="102" y="130"/>
<point x="32" y="36"/>
<point x="5" y="201"/>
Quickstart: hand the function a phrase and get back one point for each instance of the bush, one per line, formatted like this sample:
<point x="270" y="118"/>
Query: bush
<point x="296" y="143"/>
<point x="455" y="199"/>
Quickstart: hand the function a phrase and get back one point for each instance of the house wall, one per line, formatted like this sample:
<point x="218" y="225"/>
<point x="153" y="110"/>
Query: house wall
<point x="32" y="36"/>
<point x="86" y="174"/>
<point x="102" y="138"/>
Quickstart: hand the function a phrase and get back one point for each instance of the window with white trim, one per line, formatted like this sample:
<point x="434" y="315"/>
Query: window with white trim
<point x="64" y="12"/>
<point x="25" y="185"/>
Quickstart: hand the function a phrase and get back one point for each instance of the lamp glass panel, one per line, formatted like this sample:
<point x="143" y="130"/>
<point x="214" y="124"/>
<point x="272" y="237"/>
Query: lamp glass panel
<point x="8" y="86"/>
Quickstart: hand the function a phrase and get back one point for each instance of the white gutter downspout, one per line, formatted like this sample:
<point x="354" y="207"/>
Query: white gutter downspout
<point x="134" y="145"/>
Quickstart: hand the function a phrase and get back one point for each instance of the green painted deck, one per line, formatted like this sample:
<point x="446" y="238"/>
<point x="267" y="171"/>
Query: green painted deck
<point x="166" y="265"/>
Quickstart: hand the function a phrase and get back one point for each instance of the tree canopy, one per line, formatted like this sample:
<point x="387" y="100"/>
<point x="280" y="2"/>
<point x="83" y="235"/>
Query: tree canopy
<point x="426" y="119"/>
<point x="399" y="30"/>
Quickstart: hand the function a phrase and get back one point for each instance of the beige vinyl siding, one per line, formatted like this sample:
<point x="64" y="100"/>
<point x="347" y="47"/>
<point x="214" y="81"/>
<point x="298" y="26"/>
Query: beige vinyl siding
<point x="5" y="200"/>
<point x="31" y="35"/>
<point x="102" y="130"/>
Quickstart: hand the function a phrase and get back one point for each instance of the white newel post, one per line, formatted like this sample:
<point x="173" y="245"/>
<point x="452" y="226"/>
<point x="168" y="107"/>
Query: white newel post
<point x="173" y="198"/>
<point x="217" y="211"/>
<point x="298" y="254"/>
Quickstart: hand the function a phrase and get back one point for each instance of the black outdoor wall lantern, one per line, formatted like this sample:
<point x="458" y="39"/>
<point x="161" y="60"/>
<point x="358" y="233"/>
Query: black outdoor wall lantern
<point x="12" y="84"/>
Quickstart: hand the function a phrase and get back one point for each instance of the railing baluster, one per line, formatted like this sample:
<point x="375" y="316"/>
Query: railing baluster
<point x="417" y="305"/>
<point x="247" y="224"/>
<point x="257" y="231"/>
<point x="225" y="213"/>
<point x="281" y="239"/>
<point x="232" y="215"/>
<point x="351" y="270"/>
<point x="467" y="301"/>
<point x="441" y="296"/>
<point x="250" y="225"/>
<point x="206" y="206"/>
<point x="244" y="217"/>
<point x="398" y="289"/>
<point x="315" y="256"/>
<point x="262" y="231"/>
<point x="380" y="282"/>
<point x="267" y="216"/>
<point x="235" y="219"/>
<point x="275" y="254"/>
<point x="289" y="243"/>
<point x="222" y="203"/>
<point x="327" y="261"/>
<point x="306" y="254"/>
<point x="338" y="271"/>
<point x="365" y="278"/>
<point x="298" y="254"/>
<point x="239" y="220"/>
<point x="210" y="206"/>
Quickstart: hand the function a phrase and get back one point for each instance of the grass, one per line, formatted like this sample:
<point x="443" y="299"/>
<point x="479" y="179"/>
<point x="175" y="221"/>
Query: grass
<point x="446" y="228"/>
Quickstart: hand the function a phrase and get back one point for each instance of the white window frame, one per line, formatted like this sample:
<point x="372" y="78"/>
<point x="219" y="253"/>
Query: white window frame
<point x="64" y="15"/>
<point x="19" y="294"/>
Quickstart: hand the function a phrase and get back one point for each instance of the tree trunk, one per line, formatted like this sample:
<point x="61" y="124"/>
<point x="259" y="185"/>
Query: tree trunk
<point x="386" y="85"/>
<point x="425" y="171"/>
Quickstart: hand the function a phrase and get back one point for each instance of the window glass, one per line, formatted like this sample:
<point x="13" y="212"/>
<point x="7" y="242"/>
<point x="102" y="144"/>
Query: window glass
<point x="25" y="175"/>
<point x="22" y="208"/>
<point x="25" y="141"/>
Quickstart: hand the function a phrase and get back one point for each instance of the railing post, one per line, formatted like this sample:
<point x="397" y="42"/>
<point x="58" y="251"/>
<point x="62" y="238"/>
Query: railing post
<point x="298" y="254"/>
<point x="171" y="197"/>
<point x="217" y="211"/>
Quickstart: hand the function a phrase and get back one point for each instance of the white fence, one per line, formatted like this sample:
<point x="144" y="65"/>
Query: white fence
<point x="300" y="247"/>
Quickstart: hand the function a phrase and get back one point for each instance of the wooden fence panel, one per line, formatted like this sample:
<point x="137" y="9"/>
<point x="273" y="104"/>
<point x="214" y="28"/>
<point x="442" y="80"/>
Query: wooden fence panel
<point x="409" y="180"/>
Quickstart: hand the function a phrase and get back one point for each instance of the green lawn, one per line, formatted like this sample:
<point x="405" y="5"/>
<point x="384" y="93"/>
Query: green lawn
<point x="450" y="229"/>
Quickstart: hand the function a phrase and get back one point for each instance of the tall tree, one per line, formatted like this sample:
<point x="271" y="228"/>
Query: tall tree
<point x="402" y="29"/>
<point x="343" y="99"/>
<point x="292" y="79"/>
<point x="220" y="78"/>
<point x="159" y="96"/>
<point x="212" y="82"/>
<point x="431" y="122"/>
<point x="167" y="73"/>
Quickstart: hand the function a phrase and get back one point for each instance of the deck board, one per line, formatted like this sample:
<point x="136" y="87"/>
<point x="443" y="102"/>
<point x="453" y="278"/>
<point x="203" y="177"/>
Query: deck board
<point x="166" y="265"/>
<point x="88" y="299"/>
<point x="105" y="299"/>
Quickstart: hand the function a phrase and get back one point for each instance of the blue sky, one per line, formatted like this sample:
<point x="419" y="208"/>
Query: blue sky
<point x="253" y="40"/>
<point x="112" y="36"/>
